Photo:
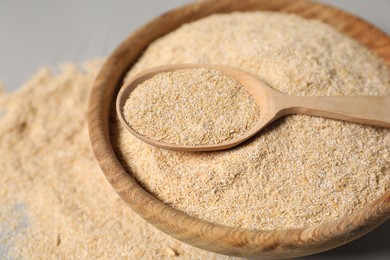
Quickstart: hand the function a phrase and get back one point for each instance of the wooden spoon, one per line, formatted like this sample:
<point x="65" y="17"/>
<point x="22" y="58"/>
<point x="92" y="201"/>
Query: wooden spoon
<point x="370" y="110"/>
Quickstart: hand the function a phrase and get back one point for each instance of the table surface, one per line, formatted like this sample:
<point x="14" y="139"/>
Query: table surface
<point x="45" y="33"/>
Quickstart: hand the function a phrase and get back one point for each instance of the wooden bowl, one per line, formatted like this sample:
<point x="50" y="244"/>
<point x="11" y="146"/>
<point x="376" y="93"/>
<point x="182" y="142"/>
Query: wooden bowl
<point x="217" y="238"/>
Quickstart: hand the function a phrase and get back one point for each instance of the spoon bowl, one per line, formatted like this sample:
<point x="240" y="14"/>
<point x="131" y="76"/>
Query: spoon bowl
<point x="371" y="110"/>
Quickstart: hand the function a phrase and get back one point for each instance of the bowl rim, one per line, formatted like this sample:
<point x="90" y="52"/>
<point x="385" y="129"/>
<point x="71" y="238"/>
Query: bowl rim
<point x="194" y="231"/>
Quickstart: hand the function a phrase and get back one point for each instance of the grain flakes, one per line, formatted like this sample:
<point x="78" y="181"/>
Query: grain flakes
<point x="299" y="171"/>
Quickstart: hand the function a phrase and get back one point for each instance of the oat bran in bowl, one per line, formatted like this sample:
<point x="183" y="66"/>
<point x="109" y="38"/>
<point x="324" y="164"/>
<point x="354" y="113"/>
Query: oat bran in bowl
<point x="130" y="165"/>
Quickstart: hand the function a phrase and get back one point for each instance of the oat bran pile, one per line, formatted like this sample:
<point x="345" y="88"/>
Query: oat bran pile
<point x="55" y="202"/>
<point x="299" y="171"/>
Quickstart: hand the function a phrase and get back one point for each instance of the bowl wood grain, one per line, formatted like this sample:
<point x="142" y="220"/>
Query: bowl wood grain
<point x="273" y="244"/>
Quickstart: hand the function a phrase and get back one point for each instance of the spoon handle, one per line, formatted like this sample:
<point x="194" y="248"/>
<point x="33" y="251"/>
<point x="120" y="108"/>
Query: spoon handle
<point x="370" y="110"/>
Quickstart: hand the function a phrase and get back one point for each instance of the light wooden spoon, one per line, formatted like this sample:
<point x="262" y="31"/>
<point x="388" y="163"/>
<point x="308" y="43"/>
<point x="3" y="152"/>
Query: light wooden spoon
<point x="370" y="110"/>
